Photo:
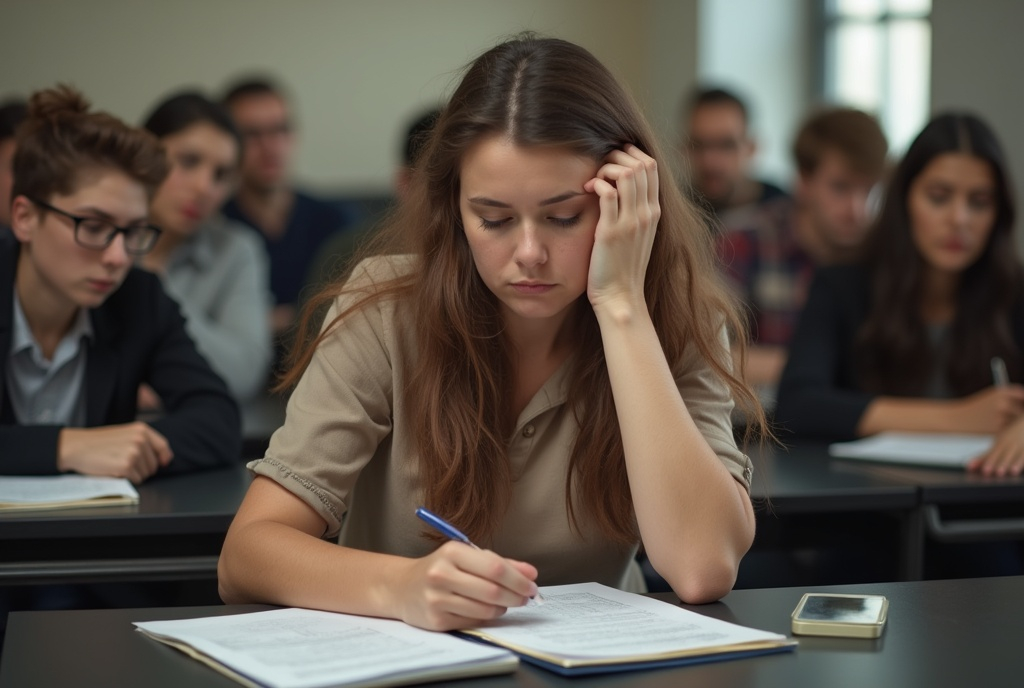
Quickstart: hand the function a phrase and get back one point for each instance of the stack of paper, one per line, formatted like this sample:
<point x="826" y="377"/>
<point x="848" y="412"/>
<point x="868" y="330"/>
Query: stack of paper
<point x="580" y="629"/>
<point x="591" y="628"/>
<point x="918" y="449"/>
<point x="301" y="648"/>
<point x="64" y="491"/>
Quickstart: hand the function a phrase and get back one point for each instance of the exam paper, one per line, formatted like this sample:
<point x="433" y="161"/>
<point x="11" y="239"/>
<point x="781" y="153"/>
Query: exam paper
<point x="593" y="621"/>
<point x="944" y="450"/>
<point x="55" y="489"/>
<point x="302" y="648"/>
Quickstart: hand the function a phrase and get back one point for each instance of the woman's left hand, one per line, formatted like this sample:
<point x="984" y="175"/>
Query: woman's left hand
<point x="627" y="186"/>
<point x="1006" y="457"/>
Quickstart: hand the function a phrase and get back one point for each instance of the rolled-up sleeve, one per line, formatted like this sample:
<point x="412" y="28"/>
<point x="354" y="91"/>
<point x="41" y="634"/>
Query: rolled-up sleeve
<point x="339" y="413"/>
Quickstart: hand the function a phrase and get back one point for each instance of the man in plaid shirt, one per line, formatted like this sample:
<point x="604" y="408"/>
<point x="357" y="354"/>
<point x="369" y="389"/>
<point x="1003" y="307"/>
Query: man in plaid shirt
<point x="770" y="250"/>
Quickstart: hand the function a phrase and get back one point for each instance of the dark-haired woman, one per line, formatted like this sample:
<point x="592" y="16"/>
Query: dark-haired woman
<point x="545" y="366"/>
<point x="215" y="268"/>
<point x="906" y="340"/>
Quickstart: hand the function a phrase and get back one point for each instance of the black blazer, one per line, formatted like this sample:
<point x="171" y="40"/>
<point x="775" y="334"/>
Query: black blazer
<point x="139" y="337"/>
<point x="820" y="394"/>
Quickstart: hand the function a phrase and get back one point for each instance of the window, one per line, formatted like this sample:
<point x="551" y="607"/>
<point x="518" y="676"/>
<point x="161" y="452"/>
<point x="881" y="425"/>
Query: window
<point x="878" y="58"/>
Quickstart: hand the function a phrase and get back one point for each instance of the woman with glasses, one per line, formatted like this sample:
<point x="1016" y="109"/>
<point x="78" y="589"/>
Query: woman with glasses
<point x="215" y="268"/>
<point x="80" y="329"/>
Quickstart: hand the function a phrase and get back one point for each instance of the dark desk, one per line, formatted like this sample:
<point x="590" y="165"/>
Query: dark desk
<point x="804" y="480"/>
<point x="997" y="503"/>
<point x="805" y="500"/>
<point x="175" y="531"/>
<point x="940" y="633"/>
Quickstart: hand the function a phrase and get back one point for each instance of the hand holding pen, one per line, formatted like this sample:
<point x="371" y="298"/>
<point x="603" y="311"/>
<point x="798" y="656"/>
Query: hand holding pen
<point x="452" y="533"/>
<point x="456" y="586"/>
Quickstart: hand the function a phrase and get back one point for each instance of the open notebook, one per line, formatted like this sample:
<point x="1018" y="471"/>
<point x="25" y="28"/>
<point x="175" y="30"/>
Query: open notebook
<point x="916" y="449"/>
<point x="18" y="493"/>
<point x="588" y="628"/>
<point x="580" y="629"/>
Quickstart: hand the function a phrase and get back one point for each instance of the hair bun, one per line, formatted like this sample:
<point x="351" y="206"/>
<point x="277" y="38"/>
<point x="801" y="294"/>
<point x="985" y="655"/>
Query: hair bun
<point x="55" y="104"/>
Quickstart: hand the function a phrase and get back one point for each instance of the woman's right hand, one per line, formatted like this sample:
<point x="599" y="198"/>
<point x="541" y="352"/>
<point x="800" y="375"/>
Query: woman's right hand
<point x="457" y="586"/>
<point x="990" y="410"/>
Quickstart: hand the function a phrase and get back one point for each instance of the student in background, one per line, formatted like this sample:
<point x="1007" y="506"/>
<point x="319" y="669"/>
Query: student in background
<point x="80" y="328"/>
<point x="11" y="115"/>
<point x="548" y="369"/>
<point x="840" y="154"/>
<point x="293" y="225"/>
<point x="720" y="150"/>
<point x="215" y="268"/>
<point x="905" y="340"/>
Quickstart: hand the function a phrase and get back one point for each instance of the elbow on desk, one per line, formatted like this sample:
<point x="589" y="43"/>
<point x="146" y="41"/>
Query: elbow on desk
<point x="229" y="594"/>
<point x="701" y="585"/>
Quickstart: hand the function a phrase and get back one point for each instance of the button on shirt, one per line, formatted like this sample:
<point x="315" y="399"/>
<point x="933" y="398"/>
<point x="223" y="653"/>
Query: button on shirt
<point x="48" y="392"/>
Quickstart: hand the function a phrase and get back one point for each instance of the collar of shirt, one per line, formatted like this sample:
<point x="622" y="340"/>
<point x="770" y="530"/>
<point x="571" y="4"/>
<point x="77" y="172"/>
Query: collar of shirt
<point x="22" y="338"/>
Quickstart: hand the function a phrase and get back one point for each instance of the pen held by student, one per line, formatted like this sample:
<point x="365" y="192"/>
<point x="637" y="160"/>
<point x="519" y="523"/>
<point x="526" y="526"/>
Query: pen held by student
<point x="1000" y="378"/>
<point x="451" y="532"/>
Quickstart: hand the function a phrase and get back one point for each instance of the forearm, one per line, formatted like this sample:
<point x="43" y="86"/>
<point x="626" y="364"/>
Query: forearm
<point x="695" y="519"/>
<point x="275" y="563"/>
<point x="909" y="415"/>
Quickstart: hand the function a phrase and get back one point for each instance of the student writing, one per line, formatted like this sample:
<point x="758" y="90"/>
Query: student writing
<point x="905" y="340"/>
<point x="546" y="367"/>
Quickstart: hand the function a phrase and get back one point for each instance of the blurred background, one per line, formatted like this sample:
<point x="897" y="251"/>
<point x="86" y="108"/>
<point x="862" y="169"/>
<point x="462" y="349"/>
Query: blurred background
<point x="358" y="70"/>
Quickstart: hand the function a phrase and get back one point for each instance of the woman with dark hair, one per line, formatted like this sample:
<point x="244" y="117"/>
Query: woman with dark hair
<point x="537" y="353"/>
<point x="215" y="268"/>
<point x="907" y="340"/>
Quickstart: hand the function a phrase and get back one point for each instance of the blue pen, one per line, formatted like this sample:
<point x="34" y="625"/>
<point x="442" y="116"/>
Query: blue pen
<point x="452" y="533"/>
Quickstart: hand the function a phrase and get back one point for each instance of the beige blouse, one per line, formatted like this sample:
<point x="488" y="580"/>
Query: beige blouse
<point x="345" y="449"/>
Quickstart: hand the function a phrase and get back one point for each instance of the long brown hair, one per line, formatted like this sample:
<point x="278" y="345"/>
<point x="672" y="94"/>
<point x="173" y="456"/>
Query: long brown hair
<point x="537" y="92"/>
<point x="892" y="348"/>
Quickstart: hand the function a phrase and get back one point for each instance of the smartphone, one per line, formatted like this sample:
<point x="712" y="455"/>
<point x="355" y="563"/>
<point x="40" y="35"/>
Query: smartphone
<point x="844" y="616"/>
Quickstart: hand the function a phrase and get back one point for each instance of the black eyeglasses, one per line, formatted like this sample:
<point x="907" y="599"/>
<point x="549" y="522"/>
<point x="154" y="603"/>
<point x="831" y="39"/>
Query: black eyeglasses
<point x="91" y="232"/>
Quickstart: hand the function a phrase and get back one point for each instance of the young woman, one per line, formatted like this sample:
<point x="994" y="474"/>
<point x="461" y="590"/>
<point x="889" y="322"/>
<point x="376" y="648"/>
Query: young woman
<point x="907" y="339"/>
<point x="546" y="367"/>
<point x="80" y="328"/>
<point x="216" y="269"/>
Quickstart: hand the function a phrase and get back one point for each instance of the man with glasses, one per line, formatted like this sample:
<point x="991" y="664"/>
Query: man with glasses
<point x="720" y="151"/>
<point x="80" y="327"/>
<point x="293" y="224"/>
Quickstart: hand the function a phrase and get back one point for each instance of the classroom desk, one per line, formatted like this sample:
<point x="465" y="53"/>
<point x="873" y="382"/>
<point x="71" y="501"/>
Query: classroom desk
<point x="174" y="532"/>
<point x="799" y="493"/>
<point x="959" y="492"/>
<point x="939" y="633"/>
<point x="802" y="479"/>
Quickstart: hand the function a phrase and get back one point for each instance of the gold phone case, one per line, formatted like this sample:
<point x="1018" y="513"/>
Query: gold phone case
<point x="838" y="615"/>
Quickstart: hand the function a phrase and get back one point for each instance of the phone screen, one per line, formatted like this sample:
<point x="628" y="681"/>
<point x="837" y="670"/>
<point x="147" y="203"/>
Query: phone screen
<point x="865" y="610"/>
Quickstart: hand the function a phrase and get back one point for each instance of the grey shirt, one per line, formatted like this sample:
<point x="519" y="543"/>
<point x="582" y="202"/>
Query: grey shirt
<point x="48" y="392"/>
<point x="220" y="279"/>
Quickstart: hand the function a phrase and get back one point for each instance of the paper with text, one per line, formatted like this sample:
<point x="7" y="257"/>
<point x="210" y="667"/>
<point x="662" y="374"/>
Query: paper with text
<point x="301" y="648"/>
<point x="63" y="490"/>
<point x="923" y="449"/>
<point x="593" y="621"/>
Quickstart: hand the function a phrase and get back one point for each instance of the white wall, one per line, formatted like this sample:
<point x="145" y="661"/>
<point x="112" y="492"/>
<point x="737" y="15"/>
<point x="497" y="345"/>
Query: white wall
<point x="976" y="65"/>
<point x="760" y="48"/>
<point x="359" y="70"/>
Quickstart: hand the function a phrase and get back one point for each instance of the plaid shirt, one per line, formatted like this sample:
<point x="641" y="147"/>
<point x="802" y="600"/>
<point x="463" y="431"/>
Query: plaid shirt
<point x="771" y="273"/>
